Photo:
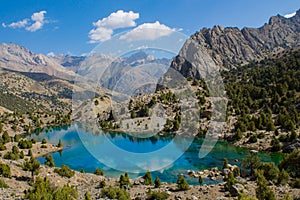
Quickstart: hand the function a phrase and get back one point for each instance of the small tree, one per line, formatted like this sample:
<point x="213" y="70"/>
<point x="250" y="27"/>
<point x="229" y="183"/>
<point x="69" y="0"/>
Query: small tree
<point x="60" y="144"/>
<point x="200" y="180"/>
<point x="148" y="178"/>
<point x="124" y="180"/>
<point x="5" y="137"/>
<point x="5" y="170"/>
<point x="99" y="172"/>
<point x="283" y="177"/>
<point x="225" y="163"/>
<point x="263" y="192"/>
<point x="252" y="162"/>
<point x="157" y="182"/>
<point x="49" y="161"/>
<point x="181" y="183"/>
<point x="44" y="141"/>
<point x="87" y="196"/>
<point x="229" y="181"/>
<point x="31" y="165"/>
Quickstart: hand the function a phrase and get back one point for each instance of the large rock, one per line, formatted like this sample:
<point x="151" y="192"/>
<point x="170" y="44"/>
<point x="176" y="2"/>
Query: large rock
<point x="236" y="189"/>
<point x="291" y="147"/>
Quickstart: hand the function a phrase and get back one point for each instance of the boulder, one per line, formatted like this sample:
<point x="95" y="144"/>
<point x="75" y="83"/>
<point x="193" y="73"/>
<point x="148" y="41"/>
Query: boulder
<point x="236" y="189"/>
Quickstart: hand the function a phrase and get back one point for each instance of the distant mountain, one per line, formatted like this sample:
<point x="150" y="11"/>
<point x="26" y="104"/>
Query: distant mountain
<point x="134" y="70"/>
<point x="232" y="47"/>
<point x="70" y="62"/>
<point x="18" y="58"/>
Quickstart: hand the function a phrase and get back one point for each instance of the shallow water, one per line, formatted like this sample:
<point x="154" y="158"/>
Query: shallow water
<point x="76" y="156"/>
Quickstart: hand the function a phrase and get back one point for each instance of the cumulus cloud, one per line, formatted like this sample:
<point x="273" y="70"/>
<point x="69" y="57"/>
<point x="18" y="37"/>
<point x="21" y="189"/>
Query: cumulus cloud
<point x="148" y="31"/>
<point x="37" y="21"/>
<point x="18" y="24"/>
<point x="104" y="28"/>
<point x="290" y="15"/>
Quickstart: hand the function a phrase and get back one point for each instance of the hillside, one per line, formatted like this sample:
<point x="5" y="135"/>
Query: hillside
<point x="18" y="58"/>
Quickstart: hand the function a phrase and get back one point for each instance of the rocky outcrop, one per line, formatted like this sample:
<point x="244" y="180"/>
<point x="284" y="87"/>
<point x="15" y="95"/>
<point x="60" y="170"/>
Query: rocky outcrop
<point x="231" y="47"/>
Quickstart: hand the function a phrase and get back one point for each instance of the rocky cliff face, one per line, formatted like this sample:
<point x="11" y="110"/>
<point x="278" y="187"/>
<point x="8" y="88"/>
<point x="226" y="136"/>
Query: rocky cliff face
<point x="231" y="47"/>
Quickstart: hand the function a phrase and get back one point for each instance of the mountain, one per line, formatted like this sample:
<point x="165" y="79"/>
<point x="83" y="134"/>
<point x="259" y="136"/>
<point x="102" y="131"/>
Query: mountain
<point x="232" y="47"/>
<point x="70" y="62"/>
<point x="18" y="58"/>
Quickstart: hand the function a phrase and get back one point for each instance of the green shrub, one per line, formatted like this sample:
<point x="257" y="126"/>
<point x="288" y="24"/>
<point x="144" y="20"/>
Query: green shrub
<point x="24" y="144"/>
<point x="99" y="172"/>
<point x="148" y="178"/>
<point x="182" y="184"/>
<point x="44" y="141"/>
<point x="3" y="184"/>
<point x="65" y="171"/>
<point x="156" y="195"/>
<point x="115" y="193"/>
<point x="5" y="170"/>
<point x="49" y="161"/>
<point x="42" y="189"/>
<point x="124" y="180"/>
<point x="2" y="147"/>
<point x="157" y="182"/>
<point x="102" y="184"/>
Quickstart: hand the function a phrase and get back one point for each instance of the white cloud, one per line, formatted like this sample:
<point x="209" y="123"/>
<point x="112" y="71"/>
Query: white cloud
<point x="290" y="15"/>
<point x="105" y="27"/>
<point x="148" y="31"/>
<point x="37" y="22"/>
<point x="18" y="24"/>
<point x="38" y="19"/>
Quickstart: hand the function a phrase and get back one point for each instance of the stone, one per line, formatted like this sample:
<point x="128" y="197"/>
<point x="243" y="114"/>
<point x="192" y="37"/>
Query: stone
<point x="236" y="189"/>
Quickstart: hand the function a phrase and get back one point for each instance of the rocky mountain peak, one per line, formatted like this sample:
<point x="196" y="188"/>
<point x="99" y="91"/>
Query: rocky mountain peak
<point x="232" y="47"/>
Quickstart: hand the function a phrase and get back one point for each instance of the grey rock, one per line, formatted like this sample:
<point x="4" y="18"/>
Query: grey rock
<point x="236" y="189"/>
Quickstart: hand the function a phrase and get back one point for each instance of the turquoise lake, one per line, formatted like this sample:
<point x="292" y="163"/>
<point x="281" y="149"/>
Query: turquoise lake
<point x="77" y="157"/>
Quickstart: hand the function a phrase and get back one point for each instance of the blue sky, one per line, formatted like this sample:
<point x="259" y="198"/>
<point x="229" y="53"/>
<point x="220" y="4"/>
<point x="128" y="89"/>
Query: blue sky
<point x="77" y="26"/>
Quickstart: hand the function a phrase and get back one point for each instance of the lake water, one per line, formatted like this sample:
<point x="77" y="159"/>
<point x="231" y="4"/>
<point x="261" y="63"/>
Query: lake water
<point x="77" y="157"/>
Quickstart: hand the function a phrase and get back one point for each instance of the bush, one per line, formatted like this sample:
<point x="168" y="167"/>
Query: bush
<point x="182" y="184"/>
<point x="270" y="171"/>
<point x="2" y="147"/>
<point x="99" y="172"/>
<point x="157" y="182"/>
<point x="49" y="161"/>
<point x="44" y="141"/>
<point x="3" y="184"/>
<point x="65" y="171"/>
<point x="283" y="178"/>
<point x="230" y="181"/>
<point x="42" y="189"/>
<point x="5" y="170"/>
<point x="5" y="137"/>
<point x="102" y="184"/>
<point x="263" y="192"/>
<point x="148" y="178"/>
<point x="291" y="163"/>
<point x="124" y="180"/>
<point x="115" y="193"/>
<point x="156" y="195"/>
<point x="24" y="144"/>
<point x="17" y="138"/>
